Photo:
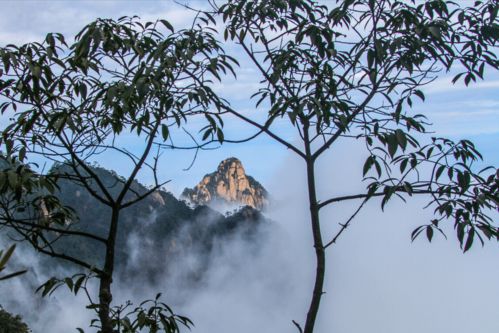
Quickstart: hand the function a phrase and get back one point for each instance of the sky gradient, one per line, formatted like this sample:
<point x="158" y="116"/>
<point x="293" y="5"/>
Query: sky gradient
<point x="456" y="111"/>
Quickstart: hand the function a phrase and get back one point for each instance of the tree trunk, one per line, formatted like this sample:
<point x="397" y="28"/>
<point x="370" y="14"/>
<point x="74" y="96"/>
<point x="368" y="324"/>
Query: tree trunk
<point x="318" y="244"/>
<point x="105" y="298"/>
<point x="105" y="295"/>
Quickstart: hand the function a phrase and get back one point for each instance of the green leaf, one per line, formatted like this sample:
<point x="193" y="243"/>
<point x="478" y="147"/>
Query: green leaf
<point x="69" y="283"/>
<point x="403" y="165"/>
<point x="415" y="233"/>
<point x="207" y="133"/>
<point x="5" y="258"/>
<point x="372" y="76"/>
<point x="420" y="94"/>
<point x="439" y="172"/>
<point x="401" y="138"/>
<point x="167" y="25"/>
<point x="83" y="90"/>
<point x="378" y="167"/>
<point x="220" y="135"/>
<point x="367" y="165"/>
<point x="469" y="240"/>
<point x="9" y="276"/>
<point x="429" y="233"/>
<point x="392" y="144"/>
<point x="78" y="284"/>
<point x="164" y="131"/>
<point x="22" y="154"/>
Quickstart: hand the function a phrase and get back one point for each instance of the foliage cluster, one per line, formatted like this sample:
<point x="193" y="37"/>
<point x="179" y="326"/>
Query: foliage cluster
<point x="12" y="324"/>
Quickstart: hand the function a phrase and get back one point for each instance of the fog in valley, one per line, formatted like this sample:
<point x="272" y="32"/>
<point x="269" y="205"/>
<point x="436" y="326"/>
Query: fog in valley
<point x="377" y="280"/>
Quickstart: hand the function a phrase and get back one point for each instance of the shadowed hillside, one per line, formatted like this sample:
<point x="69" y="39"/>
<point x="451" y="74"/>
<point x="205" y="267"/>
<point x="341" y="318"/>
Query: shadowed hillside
<point x="157" y="230"/>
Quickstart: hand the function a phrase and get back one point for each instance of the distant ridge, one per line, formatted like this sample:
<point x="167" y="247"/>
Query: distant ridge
<point x="160" y="224"/>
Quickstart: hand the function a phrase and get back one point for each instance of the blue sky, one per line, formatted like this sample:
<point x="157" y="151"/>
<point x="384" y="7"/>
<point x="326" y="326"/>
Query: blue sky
<point x="26" y="21"/>
<point x="391" y="262"/>
<point x="456" y="111"/>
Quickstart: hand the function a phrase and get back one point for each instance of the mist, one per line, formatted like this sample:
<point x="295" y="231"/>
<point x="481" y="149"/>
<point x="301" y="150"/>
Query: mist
<point x="376" y="280"/>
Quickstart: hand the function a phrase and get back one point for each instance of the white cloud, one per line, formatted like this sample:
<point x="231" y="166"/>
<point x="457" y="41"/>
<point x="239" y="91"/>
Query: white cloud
<point x="25" y="21"/>
<point x="445" y="85"/>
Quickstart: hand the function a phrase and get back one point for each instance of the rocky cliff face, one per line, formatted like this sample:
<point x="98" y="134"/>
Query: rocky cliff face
<point x="228" y="184"/>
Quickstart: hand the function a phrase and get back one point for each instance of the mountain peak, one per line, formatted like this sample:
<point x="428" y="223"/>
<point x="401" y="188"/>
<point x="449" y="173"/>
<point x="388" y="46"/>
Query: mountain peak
<point x="229" y="163"/>
<point x="229" y="184"/>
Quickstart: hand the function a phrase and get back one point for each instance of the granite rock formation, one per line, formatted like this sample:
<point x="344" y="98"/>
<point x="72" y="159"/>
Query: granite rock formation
<point x="229" y="184"/>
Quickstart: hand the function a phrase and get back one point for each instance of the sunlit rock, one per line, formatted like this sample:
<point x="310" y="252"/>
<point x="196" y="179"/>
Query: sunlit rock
<point x="228" y="184"/>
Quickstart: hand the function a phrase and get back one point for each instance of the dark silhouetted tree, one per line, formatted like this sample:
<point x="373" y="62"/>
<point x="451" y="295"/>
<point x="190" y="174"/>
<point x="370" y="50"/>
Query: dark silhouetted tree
<point x="350" y="71"/>
<point x="69" y="103"/>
